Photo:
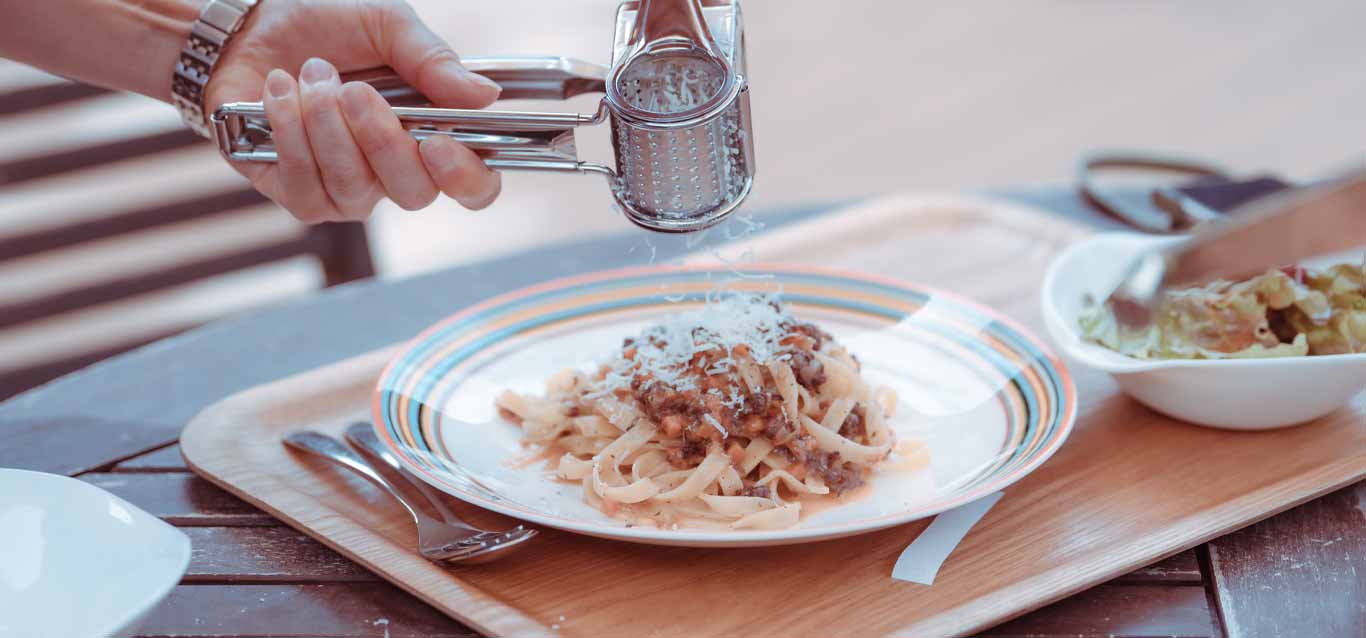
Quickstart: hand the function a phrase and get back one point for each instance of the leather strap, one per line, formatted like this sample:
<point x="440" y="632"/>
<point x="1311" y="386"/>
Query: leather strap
<point x="1207" y="194"/>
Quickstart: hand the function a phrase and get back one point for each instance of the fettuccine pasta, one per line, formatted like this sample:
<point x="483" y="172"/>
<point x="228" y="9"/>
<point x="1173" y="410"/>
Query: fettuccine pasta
<point x="727" y="416"/>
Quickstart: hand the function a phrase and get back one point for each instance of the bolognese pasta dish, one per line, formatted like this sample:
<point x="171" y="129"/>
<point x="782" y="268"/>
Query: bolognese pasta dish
<point x="730" y="415"/>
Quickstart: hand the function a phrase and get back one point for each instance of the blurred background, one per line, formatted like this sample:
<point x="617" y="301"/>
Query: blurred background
<point x="117" y="227"/>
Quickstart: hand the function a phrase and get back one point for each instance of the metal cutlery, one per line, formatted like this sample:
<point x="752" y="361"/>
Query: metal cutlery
<point x="1278" y="230"/>
<point x="362" y="437"/>
<point x="449" y="541"/>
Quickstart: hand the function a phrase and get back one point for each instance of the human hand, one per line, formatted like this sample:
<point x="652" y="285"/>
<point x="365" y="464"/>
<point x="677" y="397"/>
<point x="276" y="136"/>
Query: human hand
<point x="340" y="148"/>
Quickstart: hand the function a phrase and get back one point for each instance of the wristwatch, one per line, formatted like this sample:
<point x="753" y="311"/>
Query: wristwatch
<point x="217" y="23"/>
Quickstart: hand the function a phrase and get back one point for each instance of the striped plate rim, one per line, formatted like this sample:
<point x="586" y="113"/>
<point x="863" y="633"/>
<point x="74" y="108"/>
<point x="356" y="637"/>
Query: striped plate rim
<point x="1041" y="402"/>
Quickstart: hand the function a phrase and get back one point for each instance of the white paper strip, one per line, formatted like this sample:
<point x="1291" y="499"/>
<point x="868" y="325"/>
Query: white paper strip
<point x="920" y="561"/>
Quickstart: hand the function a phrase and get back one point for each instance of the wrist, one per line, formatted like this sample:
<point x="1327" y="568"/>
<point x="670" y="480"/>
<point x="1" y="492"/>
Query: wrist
<point x="128" y="45"/>
<point x="168" y="24"/>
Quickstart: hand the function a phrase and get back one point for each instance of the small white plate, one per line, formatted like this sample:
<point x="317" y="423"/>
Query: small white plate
<point x="1237" y="394"/>
<point x="990" y="402"/>
<point x="77" y="561"/>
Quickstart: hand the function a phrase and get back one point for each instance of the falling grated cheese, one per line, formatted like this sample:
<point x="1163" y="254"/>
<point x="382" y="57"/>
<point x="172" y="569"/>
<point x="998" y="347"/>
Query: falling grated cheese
<point x="696" y="238"/>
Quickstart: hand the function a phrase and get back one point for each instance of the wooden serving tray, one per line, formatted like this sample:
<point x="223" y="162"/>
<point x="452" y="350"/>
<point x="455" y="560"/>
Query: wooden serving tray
<point x="1129" y="488"/>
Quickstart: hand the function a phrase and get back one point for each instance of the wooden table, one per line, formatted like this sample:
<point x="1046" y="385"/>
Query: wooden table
<point x="1301" y="573"/>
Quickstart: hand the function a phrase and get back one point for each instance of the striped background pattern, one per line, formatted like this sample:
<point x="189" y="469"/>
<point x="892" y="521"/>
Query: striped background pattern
<point x="118" y="227"/>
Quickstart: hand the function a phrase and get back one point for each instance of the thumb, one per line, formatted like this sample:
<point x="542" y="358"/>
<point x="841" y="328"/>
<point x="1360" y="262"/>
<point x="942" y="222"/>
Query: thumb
<point x="425" y="61"/>
<point x="238" y="83"/>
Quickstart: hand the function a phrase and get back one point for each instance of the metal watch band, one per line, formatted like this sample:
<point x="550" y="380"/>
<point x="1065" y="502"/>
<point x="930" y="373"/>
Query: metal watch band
<point x="217" y="22"/>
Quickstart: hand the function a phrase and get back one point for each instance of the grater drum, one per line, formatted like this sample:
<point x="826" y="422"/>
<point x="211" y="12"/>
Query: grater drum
<point x="676" y="94"/>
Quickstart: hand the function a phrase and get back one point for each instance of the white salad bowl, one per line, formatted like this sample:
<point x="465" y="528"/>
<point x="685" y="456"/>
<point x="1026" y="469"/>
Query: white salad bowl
<point x="79" y="562"/>
<point x="1237" y="394"/>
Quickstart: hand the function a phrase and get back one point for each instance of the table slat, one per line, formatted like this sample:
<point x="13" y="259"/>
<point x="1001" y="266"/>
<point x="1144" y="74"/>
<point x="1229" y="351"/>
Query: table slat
<point x="1181" y="568"/>
<point x="75" y="444"/>
<point x="181" y="499"/>
<point x="1119" y="611"/>
<point x="167" y="459"/>
<point x="334" y="610"/>
<point x="1295" y="573"/>
<point x="266" y="554"/>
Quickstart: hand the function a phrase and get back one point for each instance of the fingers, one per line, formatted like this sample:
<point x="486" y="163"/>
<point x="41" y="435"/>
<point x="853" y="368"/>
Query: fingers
<point x="299" y="186"/>
<point x="341" y="149"/>
<point x="460" y="173"/>
<point x="425" y="60"/>
<point x="390" y="150"/>
<point x="346" y="175"/>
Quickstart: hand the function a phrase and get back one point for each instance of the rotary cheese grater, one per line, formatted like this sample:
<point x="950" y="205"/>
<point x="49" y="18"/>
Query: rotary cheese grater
<point x="676" y="95"/>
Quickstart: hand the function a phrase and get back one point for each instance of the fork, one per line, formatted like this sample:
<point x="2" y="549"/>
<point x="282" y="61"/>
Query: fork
<point x="362" y="437"/>
<point x="450" y="542"/>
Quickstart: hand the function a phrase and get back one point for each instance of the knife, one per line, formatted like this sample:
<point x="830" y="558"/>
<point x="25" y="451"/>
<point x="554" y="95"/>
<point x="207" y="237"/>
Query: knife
<point x="1278" y="230"/>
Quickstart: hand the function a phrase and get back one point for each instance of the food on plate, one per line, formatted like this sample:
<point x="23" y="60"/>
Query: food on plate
<point x="729" y="415"/>
<point x="1287" y="312"/>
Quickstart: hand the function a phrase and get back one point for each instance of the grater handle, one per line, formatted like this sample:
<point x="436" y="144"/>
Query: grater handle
<point x="506" y="140"/>
<point x="522" y="78"/>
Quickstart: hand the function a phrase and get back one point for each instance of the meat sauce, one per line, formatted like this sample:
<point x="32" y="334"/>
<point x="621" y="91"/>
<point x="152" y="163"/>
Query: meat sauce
<point x="742" y="413"/>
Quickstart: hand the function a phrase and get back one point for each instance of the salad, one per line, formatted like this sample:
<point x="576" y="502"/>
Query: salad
<point x="1287" y="312"/>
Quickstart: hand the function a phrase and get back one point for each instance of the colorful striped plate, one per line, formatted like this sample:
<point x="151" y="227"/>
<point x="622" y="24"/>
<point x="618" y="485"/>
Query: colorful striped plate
<point x="989" y="400"/>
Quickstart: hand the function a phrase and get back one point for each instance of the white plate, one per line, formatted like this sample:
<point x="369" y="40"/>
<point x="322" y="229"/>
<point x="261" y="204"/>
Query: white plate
<point x="77" y="561"/>
<point x="986" y="397"/>
<point x="1239" y="394"/>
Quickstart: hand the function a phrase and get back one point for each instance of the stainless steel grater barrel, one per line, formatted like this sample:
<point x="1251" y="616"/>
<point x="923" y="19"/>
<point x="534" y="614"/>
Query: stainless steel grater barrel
<point x="676" y="95"/>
